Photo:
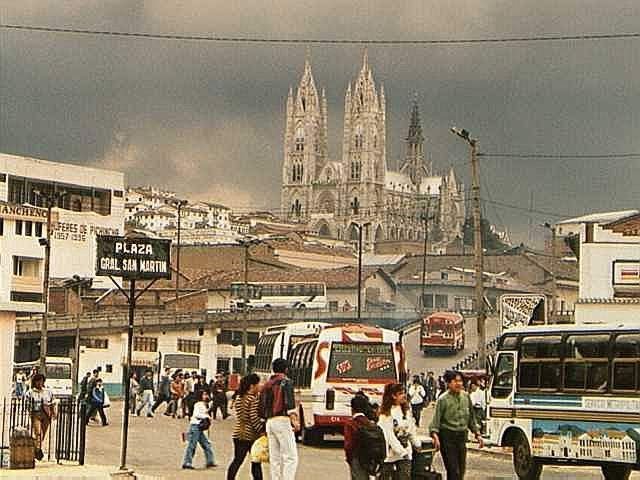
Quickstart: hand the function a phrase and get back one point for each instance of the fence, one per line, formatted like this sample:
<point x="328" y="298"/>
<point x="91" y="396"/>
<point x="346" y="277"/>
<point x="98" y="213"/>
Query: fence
<point x="64" y="439"/>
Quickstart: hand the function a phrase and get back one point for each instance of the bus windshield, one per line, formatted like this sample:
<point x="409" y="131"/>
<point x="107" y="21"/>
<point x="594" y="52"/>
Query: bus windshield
<point x="358" y="362"/>
<point x="60" y="371"/>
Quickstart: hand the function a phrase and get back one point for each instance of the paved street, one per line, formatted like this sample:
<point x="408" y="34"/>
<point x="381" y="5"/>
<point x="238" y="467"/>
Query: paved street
<point x="156" y="449"/>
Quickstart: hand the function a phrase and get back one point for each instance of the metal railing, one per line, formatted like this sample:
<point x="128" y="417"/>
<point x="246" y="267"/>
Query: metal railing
<point x="65" y="436"/>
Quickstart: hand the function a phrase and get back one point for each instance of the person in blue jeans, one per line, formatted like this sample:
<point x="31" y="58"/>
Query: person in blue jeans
<point x="196" y="433"/>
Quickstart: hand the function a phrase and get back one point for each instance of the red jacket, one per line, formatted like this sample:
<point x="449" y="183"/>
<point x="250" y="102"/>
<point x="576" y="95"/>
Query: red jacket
<point x="351" y="434"/>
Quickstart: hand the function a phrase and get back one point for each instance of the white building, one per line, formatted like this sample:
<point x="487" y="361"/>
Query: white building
<point x="93" y="203"/>
<point x="609" y="289"/>
<point x="218" y="216"/>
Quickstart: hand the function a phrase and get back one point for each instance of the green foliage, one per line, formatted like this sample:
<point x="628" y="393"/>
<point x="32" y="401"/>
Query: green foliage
<point x="490" y="241"/>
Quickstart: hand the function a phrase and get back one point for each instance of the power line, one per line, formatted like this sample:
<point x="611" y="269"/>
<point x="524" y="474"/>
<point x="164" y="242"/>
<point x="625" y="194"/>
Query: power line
<point x="553" y="156"/>
<point x="324" y="41"/>
<point x="529" y="210"/>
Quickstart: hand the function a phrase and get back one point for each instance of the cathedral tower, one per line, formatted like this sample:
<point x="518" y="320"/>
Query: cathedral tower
<point x="414" y="164"/>
<point x="305" y="146"/>
<point x="363" y="147"/>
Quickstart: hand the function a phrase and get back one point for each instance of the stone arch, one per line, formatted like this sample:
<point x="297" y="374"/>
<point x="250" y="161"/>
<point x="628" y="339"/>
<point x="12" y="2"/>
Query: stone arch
<point x="325" y="229"/>
<point x="326" y="203"/>
<point x="379" y="234"/>
<point x="353" y="232"/>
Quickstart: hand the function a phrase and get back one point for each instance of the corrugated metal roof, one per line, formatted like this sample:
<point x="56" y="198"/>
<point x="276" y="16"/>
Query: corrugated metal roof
<point x="379" y="260"/>
<point x="602" y="217"/>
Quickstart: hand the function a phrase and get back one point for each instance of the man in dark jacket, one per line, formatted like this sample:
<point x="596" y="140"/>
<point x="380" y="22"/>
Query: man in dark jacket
<point x="96" y="403"/>
<point x="279" y="409"/>
<point x="359" y="408"/>
<point x="164" y="392"/>
<point x="146" y="387"/>
<point x="84" y="386"/>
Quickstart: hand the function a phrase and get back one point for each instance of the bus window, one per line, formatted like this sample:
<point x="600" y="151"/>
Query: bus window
<point x="587" y="362"/>
<point x="626" y="354"/>
<point x="308" y="362"/>
<point x="503" y="380"/>
<point x="59" y="371"/>
<point x="540" y="365"/>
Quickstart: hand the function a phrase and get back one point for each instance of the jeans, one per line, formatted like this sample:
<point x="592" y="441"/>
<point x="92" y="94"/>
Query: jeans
<point x="93" y="408"/>
<point x="195" y="436"/>
<point x="416" y="410"/>
<point x="283" y="454"/>
<point x="453" y="448"/>
<point x="357" y="471"/>
<point x="400" y="470"/>
<point x="146" y="403"/>
<point x="240" y="450"/>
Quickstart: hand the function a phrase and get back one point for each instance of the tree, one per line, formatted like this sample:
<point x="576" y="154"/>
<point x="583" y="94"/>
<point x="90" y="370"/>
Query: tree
<point x="490" y="241"/>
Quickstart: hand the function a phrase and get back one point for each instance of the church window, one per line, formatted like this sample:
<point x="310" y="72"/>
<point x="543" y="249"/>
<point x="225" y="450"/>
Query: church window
<point x="298" y="172"/>
<point x="359" y="138"/>
<point x="356" y="168"/>
<point x="355" y="205"/>
<point x="300" y="139"/>
<point x="296" y="208"/>
<point x="375" y="141"/>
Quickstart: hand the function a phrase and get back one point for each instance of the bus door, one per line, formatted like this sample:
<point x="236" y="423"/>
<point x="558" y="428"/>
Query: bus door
<point x="500" y="402"/>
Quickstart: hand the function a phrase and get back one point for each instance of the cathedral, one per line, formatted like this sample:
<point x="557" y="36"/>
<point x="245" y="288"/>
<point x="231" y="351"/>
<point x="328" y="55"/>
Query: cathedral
<point x="334" y="197"/>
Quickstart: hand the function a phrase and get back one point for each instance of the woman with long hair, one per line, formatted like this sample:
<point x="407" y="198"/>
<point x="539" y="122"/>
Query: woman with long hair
<point x="399" y="428"/>
<point x="198" y="425"/>
<point x="248" y="427"/>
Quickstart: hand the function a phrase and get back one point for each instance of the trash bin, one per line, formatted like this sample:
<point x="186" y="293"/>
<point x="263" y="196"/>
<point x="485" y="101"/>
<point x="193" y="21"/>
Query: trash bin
<point x="21" y="450"/>
<point x="422" y="460"/>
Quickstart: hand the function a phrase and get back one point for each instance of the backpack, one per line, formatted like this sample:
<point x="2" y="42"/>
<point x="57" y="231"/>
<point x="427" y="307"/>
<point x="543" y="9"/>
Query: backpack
<point x="272" y="399"/>
<point x="372" y="448"/>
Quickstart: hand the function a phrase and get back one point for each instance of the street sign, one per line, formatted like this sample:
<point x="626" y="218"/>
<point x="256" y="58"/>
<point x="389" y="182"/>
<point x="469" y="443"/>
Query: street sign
<point x="521" y="310"/>
<point x="133" y="258"/>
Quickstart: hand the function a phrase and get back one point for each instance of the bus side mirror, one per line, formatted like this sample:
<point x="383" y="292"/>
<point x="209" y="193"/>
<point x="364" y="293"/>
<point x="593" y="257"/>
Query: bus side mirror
<point x="330" y="399"/>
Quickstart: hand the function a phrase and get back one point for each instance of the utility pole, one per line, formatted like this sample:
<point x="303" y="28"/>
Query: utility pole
<point x="179" y="204"/>
<point x="554" y="267"/>
<point x="127" y="375"/>
<point x="50" y="199"/>
<point x="359" y="272"/>
<point x="477" y="246"/>
<point x="246" y="309"/>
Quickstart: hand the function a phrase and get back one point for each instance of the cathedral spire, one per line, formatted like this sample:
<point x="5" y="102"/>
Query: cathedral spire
<point x="415" y="128"/>
<point x="365" y="60"/>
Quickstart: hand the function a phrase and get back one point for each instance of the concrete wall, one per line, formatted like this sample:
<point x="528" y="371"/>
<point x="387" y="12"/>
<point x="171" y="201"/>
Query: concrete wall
<point x="7" y="336"/>
<point x="608" y="313"/>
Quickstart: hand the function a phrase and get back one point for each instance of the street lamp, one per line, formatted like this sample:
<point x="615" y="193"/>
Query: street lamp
<point x="477" y="244"/>
<point x="360" y="226"/>
<point x="50" y="199"/>
<point x="425" y="218"/>
<point x="179" y="204"/>
<point x="246" y="244"/>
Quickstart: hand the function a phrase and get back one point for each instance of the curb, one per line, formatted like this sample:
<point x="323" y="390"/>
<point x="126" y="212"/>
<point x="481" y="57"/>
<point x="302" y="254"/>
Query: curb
<point x="489" y="451"/>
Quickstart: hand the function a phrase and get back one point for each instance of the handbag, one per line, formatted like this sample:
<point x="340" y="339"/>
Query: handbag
<point x="260" y="450"/>
<point x="204" y="424"/>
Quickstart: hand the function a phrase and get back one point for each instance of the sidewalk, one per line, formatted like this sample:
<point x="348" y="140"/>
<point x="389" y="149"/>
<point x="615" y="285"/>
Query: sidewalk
<point x="53" y="471"/>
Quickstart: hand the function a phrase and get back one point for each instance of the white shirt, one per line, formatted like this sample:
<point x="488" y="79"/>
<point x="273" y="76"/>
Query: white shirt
<point x="200" y="412"/>
<point x="416" y="394"/>
<point x="478" y="398"/>
<point x="396" y="425"/>
<point x="40" y="398"/>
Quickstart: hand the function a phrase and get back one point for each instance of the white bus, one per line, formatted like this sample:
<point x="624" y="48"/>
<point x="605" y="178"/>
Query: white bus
<point x="568" y="395"/>
<point x="187" y="362"/>
<point x="57" y="372"/>
<point x="277" y="341"/>
<point x="330" y="369"/>
<point x="272" y="295"/>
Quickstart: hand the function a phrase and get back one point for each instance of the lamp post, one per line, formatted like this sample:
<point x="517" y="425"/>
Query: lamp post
<point x="477" y="245"/>
<point x="246" y="244"/>
<point x="179" y="204"/>
<point x="50" y="199"/>
<point x="360" y="226"/>
<point x="425" y="218"/>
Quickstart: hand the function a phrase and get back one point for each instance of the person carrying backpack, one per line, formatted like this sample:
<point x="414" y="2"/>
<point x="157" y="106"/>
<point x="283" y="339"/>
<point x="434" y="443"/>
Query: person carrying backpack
<point x="364" y="444"/>
<point x="279" y="409"/>
<point x="399" y="430"/>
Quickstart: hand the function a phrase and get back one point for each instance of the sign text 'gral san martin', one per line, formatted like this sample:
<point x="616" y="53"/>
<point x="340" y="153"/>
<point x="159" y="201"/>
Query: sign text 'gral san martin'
<point x="140" y="258"/>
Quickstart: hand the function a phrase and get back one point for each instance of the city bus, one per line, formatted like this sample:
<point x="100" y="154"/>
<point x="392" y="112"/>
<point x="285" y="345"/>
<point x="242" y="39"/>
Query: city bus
<point x="442" y="331"/>
<point x="277" y="341"/>
<point x="329" y="369"/>
<point x="568" y="395"/>
<point x="57" y="372"/>
<point x="273" y="295"/>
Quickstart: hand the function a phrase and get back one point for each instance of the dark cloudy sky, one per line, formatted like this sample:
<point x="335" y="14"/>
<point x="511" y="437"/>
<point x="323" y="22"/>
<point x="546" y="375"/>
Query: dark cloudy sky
<point x="206" y="119"/>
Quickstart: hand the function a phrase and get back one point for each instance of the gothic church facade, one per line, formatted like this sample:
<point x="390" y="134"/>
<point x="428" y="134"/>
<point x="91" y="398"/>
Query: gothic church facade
<point x="333" y="197"/>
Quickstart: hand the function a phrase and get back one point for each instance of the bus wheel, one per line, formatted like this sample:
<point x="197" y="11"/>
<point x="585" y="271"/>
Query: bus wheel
<point x="612" y="471"/>
<point x="526" y="467"/>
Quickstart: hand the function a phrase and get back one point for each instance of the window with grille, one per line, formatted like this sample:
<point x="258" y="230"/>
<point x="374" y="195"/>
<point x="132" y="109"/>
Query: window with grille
<point x="101" y="343"/>
<point x="145" y="344"/>
<point x="188" y="346"/>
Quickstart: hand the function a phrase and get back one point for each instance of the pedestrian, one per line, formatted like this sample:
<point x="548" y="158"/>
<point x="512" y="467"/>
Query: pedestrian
<point x="199" y="424"/>
<point x="452" y="418"/>
<point x="97" y="403"/>
<point x="479" y="402"/>
<point x="177" y="394"/>
<point x="442" y="386"/>
<point x="279" y="409"/>
<point x="40" y="402"/>
<point x="91" y="382"/>
<point x="134" y="392"/>
<point x="248" y="427"/>
<point x="219" y="398"/>
<point x="164" y="392"/>
<point x="19" y="384"/>
<point x="399" y="432"/>
<point x="417" y="397"/>
<point x="359" y="408"/>
<point x="146" y="387"/>
<point x="430" y="387"/>
<point x="84" y="385"/>
<point x="189" y="399"/>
